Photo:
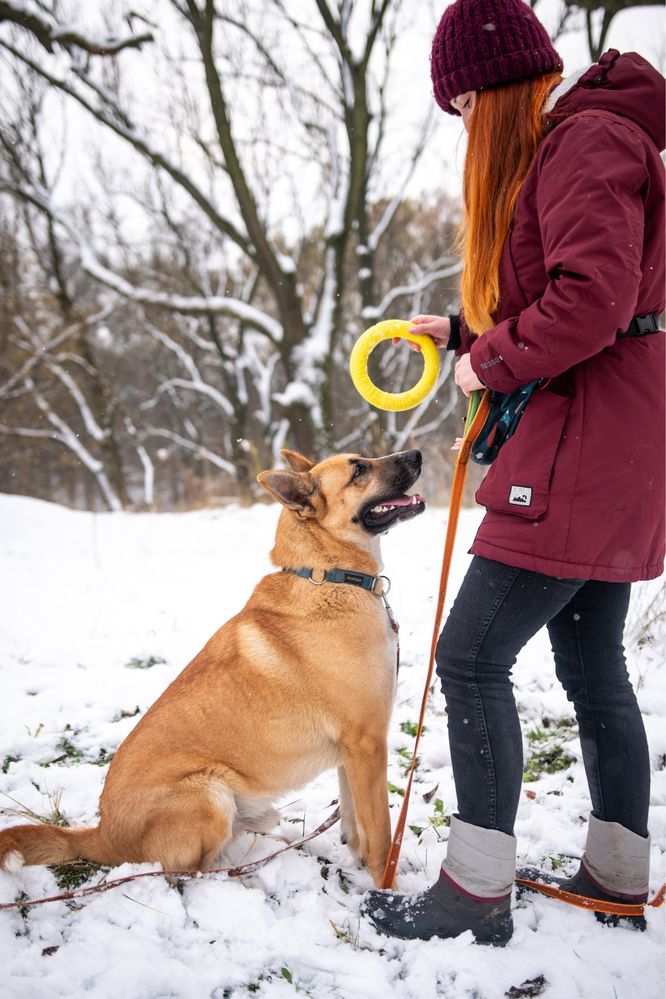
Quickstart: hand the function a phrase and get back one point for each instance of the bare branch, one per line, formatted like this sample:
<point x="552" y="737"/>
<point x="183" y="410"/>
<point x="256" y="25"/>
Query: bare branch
<point x="376" y="312"/>
<point x="193" y="305"/>
<point x="115" y="119"/>
<point x="199" y="449"/>
<point x="49" y="33"/>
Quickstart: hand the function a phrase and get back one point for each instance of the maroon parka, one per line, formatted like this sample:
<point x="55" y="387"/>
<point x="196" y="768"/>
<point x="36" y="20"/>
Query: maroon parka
<point x="578" y="491"/>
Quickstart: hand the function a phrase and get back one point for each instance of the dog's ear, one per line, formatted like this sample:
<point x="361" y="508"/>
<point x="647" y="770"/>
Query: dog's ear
<point x="293" y="489"/>
<point x="296" y="461"/>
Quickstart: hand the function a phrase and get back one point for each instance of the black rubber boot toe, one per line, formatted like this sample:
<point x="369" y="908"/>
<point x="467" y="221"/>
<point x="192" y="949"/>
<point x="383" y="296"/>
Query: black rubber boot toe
<point x="442" y="911"/>
<point x="581" y="883"/>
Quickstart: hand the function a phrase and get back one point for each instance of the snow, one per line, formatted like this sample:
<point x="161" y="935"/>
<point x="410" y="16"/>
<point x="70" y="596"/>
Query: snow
<point x="83" y="596"/>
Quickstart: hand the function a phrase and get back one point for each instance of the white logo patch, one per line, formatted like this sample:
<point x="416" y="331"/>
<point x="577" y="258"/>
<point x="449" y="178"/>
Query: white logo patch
<point x="520" y="495"/>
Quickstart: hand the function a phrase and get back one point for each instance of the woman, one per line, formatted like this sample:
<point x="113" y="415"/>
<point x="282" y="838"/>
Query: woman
<point x="563" y="253"/>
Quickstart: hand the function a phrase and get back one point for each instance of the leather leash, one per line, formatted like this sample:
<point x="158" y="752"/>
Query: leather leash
<point x="596" y="904"/>
<point x="477" y="413"/>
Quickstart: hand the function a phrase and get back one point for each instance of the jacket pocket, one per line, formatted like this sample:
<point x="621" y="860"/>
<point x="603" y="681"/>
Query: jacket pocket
<point x="518" y="481"/>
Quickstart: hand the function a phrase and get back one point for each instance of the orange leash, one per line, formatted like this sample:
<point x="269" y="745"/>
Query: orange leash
<point x="476" y="417"/>
<point x="583" y="902"/>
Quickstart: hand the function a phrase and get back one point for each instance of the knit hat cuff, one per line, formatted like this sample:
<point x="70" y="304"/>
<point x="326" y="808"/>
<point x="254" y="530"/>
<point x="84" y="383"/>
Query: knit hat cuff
<point x="492" y="73"/>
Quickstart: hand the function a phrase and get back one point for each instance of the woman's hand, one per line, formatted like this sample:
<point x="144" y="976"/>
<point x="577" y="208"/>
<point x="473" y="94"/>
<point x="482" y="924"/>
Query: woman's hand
<point x="438" y="328"/>
<point x="465" y="378"/>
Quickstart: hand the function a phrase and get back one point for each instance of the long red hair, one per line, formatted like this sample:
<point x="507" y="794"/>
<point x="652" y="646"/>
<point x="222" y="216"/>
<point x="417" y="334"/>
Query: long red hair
<point x="506" y="127"/>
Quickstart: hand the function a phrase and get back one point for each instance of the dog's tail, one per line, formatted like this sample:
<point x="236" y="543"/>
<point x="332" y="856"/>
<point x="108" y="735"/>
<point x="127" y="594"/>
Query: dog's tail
<point x="46" y="844"/>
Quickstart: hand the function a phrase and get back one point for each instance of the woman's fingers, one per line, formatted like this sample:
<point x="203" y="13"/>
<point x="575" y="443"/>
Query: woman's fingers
<point x="410" y="343"/>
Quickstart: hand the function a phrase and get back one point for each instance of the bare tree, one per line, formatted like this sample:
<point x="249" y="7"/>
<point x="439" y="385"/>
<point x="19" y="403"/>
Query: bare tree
<point x="335" y="129"/>
<point x="598" y="16"/>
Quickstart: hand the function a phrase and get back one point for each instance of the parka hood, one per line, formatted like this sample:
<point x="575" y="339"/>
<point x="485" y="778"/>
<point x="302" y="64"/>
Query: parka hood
<point x="625" y="84"/>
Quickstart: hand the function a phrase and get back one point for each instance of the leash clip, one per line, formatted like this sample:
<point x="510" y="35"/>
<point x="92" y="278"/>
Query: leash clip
<point x="385" y="588"/>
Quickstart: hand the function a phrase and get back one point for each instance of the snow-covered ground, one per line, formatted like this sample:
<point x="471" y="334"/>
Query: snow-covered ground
<point x="85" y="599"/>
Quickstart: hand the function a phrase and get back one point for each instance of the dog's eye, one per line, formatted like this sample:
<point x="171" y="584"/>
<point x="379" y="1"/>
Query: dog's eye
<point x="359" y="471"/>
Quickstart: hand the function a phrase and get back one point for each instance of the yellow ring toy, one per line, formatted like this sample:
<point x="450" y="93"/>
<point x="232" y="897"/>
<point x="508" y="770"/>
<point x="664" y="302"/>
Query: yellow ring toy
<point x="358" y="366"/>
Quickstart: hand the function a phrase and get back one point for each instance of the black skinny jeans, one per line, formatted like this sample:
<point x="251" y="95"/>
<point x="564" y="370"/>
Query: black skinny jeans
<point x="497" y="610"/>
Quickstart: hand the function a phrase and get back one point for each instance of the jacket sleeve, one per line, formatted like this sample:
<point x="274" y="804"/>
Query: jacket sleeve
<point x="589" y="204"/>
<point x="461" y="338"/>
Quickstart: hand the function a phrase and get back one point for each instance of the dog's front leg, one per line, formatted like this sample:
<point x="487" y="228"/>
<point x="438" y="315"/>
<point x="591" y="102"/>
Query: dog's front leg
<point x="348" y="829"/>
<point x="365" y="766"/>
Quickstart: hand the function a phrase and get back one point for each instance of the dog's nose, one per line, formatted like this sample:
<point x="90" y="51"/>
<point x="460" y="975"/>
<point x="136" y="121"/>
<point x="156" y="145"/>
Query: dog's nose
<point x="413" y="459"/>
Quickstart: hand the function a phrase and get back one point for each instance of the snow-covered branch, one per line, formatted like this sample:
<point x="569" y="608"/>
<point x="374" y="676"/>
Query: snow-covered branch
<point x="393" y="205"/>
<point x="68" y="437"/>
<point x="108" y="113"/>
<point x="196" y="305"/>
<point x="89" y="421"/>
<point x="375" y="312"/>
<point x="50" y="33"/>
<point x="198" y="449"/>
<point x="200" y="387"/>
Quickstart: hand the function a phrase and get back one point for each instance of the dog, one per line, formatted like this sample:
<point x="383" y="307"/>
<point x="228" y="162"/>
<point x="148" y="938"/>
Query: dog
<point x="301" y="680"/>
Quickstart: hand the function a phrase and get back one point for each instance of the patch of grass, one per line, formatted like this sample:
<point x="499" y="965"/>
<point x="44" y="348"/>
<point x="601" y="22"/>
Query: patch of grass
<point x="71" y="876"/>
<point x="551" y="728"/>
<point x="253" y="987"/>
<point x="538" y="735"/>
<point x="411" y="728"/>
<point x="436" y="821"/>
<point x="394" y="789"/>
<point x="7" y="762"/>
<point x="440" y="818"/>
<point x="69" y="753"/>
<point x="548" y="755"/>
<point x="405" y="755"/>
<point x="24" y="909"/>
<point x="146" y="663"/>
<point x="549" y="760"/>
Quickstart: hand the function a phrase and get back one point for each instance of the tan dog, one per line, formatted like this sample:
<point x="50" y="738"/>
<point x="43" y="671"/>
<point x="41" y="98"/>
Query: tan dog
<point x="302" y="679"/>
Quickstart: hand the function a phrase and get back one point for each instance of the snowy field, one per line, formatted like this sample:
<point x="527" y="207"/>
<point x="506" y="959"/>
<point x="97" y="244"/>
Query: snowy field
<point x="100" y="612"/>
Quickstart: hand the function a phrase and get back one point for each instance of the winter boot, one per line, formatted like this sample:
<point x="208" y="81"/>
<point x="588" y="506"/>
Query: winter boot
<point x="473" y="892"/>
<point x="614" y="868"/>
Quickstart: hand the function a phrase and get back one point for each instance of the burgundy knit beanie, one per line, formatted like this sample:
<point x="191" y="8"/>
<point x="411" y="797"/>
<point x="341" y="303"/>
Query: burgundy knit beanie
<point x="485" y="43"/>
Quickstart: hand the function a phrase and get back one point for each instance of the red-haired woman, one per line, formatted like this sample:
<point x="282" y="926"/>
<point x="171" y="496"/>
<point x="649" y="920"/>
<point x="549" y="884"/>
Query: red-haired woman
<point x="563" y="252"/>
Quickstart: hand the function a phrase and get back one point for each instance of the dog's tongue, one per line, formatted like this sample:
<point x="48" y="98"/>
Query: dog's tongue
<point x="406" y="500"/>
